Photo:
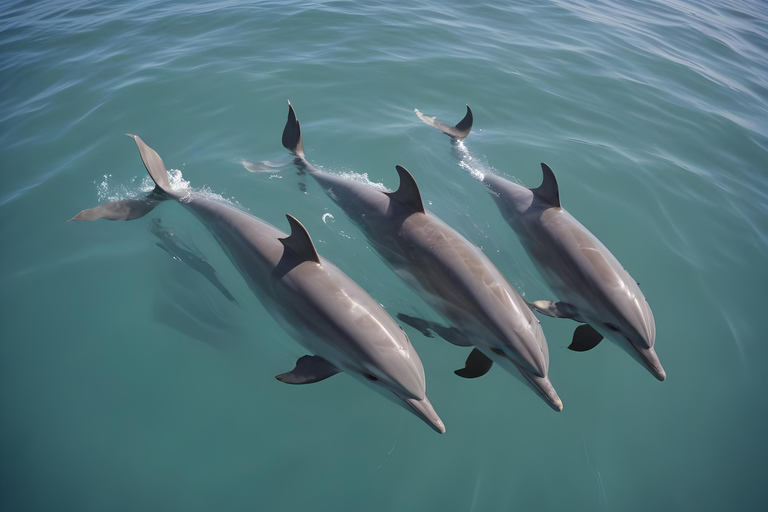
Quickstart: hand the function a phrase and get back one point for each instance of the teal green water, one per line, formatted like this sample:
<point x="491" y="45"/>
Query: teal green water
<point x="129" y="382"/>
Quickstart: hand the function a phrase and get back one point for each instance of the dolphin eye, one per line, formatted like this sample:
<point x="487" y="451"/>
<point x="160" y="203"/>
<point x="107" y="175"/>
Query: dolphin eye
<point x="370" y="377"/>
<point x="497" y="351"/>
<point x="612" y="327"/>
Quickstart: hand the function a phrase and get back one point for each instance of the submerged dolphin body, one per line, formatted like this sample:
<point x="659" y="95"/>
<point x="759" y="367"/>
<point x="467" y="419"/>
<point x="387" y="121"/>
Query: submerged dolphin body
<point x="592" y="286"/>
<point x="314" y="301"/>
<point x="450" y="273"/>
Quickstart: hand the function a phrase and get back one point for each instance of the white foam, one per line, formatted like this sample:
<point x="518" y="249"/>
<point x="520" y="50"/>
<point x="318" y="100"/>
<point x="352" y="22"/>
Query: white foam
<point x="108" y="191"/>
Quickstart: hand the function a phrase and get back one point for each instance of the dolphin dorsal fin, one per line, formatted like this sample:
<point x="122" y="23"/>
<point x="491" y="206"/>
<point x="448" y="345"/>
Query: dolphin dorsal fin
<point x="299" y="241"/>
<point x="408" y="192"/>
<point x="548" y="190"/>
<point x="292" y="134"/>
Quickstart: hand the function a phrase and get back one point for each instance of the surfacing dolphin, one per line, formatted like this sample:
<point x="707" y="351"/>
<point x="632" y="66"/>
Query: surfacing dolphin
<point x="593" y="287"/>
<point x="314" y="301"/>
<point x="450" y="273"/>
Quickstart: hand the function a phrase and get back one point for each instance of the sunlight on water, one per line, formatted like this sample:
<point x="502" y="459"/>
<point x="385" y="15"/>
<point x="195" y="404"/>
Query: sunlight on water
<point x="117" y="395"/>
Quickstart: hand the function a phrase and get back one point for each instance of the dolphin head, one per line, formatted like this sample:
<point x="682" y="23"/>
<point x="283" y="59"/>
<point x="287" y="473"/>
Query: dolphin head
<point x="392" y="368"/>
<point x="539" y="384"/>
<point x="634" y="330"/>
<point x="527" y="361"/>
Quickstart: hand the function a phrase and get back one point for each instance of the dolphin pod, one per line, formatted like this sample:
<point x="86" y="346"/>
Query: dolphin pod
<point x="452" y="275"/>
<point x="344" y="328"/>
<point x="593" y="288"/>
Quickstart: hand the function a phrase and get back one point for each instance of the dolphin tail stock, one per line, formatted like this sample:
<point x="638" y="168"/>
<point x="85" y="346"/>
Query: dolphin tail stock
<point x="458" y="132"/>
<point x="131" y="209"/>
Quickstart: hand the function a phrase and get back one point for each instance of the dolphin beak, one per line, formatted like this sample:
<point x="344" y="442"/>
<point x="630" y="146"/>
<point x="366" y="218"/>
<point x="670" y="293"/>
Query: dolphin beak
<point x="540" y="385"/>
<point x="424" y="410"/>
<point x="550" y="395"/>
<point x="651" y="360"/>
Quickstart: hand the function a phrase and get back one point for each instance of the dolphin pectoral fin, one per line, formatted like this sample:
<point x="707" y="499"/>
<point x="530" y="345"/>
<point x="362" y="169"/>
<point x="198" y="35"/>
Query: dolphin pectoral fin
<point x="421" y="325"/>
<point x="477" y="365"/>
<point x="125" y="209"/>
<point x="458" y="132"/>
<point x="429" y="329"/>
<point x="555" y="309"/>
<point x="452" y="335"/>
<point x="585" y="337"/>
<point x="308" y="369"/>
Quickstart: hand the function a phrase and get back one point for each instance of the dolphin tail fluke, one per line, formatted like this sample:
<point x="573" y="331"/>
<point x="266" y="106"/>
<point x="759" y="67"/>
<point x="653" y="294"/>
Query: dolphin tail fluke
<point x="154" y="165"/>
<point x="458" y="132"/>
<point x="292" y="134"/>
<point x="126" y="209"/>
<point x="130" y="209"/>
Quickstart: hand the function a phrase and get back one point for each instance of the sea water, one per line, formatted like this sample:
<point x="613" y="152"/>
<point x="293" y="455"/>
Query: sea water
<point x="128" y="381"/>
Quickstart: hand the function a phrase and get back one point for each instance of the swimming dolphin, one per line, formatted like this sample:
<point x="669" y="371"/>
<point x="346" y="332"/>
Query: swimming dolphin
<point x="450" y="273"/>
<point x="314" y="301"/>
<point x="592" y="286"/>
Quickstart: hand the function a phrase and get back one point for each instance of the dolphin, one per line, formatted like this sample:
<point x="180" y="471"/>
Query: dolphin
<point x="451" y="274"/>
<point x="323" y="309"/>
<point x="593" y="287"/>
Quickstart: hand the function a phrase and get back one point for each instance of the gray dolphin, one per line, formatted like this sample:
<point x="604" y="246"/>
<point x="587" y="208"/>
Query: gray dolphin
<point x="592" y="285"/>
<point x="314" y="301"/>
<point x="450" y="273"/>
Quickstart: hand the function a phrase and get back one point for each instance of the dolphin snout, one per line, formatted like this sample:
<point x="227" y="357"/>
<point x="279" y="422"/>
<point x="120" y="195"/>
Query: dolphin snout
<point x="425" y="411"/>
<point x="651" y="360"/>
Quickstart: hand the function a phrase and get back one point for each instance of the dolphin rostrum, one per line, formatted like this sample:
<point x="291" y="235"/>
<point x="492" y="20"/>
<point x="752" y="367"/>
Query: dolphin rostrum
<point x="593" y="287"/>
<point x="344" y="328"/>
<point x="450" y="273"/>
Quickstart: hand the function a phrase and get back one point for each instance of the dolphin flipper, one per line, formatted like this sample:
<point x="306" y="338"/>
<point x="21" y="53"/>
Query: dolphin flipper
<point x="308" y="369"/>
<point x="477" y="365"/>
<point x="458" y="132"/>
<point x="429" y="329"/>
<point x="555" y="309"/>
<point x="585" y="337"/>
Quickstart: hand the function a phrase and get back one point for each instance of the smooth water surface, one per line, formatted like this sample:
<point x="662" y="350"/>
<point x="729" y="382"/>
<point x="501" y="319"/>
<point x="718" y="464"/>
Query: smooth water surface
<point x="130" y="382"/>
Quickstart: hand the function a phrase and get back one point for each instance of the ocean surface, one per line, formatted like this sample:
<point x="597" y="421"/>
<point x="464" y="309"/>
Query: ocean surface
<point x="129" y="381"/>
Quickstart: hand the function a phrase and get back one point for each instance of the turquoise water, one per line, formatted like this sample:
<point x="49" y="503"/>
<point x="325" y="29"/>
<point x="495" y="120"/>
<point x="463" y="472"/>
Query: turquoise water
<point x="130" y="382"/>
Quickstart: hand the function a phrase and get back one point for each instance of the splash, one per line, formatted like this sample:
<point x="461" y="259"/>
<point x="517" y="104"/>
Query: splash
<point x="361" y="178"/>
<point x="138" y="187"/>
<point x="469" y="163"/>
